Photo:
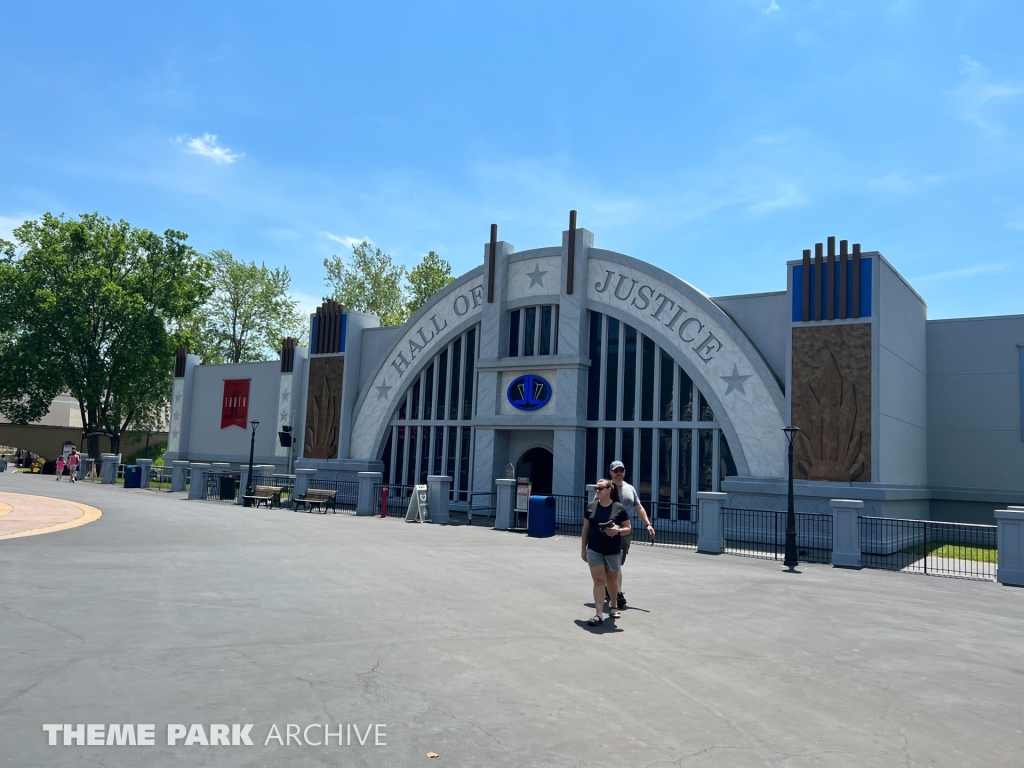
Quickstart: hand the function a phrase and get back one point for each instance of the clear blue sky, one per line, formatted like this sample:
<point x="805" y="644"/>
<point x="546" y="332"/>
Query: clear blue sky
<point x="713" y="139"/>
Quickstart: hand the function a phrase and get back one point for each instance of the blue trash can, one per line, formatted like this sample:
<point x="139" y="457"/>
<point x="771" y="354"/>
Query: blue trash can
<point x="541" y="523"/>
<point x="132" y="476"/>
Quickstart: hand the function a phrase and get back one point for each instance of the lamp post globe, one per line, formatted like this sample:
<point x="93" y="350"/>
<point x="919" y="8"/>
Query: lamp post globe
<point x="791" y="552"/>
<point x="249" y="482"/>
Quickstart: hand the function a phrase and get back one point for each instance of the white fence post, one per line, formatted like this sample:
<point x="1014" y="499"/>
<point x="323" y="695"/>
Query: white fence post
<point x="846" y="532"/>
<point x="711" y="535"/>
<point x="438" y="487"/>
<point x="506" y="503"/>
<point x="145" y="465"/>
<point x="302" y="478"/>
<point x="178" y="475"/>
<point x="1010" y="542"/>
<point x="366" y="501"/>
<point x="198" y="471"/>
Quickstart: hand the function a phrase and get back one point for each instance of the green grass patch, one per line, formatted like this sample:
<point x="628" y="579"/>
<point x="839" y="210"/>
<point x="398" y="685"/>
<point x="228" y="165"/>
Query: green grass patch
<point x="981" y="554"/>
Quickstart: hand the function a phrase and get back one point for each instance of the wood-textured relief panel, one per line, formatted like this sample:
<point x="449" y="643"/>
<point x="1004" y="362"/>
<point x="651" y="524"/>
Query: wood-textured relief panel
<point x="832" y="402"/>
<point x="323" y="407"/>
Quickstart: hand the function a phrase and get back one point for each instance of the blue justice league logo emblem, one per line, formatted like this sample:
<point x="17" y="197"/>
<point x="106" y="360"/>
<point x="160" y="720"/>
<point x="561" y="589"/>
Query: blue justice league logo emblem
<point x="529" y="393"/>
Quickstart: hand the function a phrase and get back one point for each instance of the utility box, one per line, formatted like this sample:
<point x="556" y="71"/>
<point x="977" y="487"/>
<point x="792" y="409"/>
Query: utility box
<point x="541" y="521"/>
<point x="228" y="487"/>
<point x="132" y="476"/>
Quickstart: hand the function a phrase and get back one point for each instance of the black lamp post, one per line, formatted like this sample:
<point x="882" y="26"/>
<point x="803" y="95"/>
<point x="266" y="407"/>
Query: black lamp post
<point x="791" y="553"/>
<point x="246" y="501"/>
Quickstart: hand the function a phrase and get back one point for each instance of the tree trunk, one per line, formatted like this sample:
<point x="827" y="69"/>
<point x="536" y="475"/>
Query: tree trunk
<point x="94" y="439"/>
<point x="115" y="442"/>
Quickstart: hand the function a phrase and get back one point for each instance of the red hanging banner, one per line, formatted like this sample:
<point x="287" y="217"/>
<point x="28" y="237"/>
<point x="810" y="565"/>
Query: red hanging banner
<point x="235" y="406"/>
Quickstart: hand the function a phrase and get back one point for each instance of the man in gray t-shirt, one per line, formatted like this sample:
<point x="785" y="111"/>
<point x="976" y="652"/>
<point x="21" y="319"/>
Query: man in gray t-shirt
<point x="630" y="500"/>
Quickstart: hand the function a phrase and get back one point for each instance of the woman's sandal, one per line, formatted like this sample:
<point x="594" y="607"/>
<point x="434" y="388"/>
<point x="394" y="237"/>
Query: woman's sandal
<point x="614" y="614"/>
<point x="595" y="621"/>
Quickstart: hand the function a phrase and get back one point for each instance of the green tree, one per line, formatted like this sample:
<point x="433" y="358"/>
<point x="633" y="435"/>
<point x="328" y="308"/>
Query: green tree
<point x="425" y="279"/>
<point x="248" y="315"/>
<point x="371" y="282"/>
<point x="88" y="306"/>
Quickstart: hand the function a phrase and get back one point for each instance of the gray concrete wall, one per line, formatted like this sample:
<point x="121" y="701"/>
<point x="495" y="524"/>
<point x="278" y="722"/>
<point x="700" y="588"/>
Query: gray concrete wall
<point x="900" y="316"/>
<point x="207" y="441"/>
<point x="374" y="344"/>
<point x="765" y="319"/>
<point x="974" y="393"/>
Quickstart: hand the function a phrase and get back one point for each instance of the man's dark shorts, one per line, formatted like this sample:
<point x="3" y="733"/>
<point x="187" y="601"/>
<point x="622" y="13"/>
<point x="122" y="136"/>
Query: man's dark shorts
<point x="625" y="546"/>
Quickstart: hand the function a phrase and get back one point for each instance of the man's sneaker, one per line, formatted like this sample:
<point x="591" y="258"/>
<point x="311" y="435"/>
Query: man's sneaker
<point x="621" y="600"/>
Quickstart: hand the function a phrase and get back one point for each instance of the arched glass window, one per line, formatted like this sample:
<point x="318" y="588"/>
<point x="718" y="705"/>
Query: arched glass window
<point x="533" y="331"/>
<point x="644" y="410"/>
<point x="430" y="430"/>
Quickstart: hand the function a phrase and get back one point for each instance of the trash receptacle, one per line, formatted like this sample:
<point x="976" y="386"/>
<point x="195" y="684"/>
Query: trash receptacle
<point x="228" y="487"/>
<point x="132" y="476"/>
<point x="541" y="523"/>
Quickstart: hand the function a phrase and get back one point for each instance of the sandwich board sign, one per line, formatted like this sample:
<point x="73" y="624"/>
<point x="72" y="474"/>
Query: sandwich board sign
<point x="419" y="511"/>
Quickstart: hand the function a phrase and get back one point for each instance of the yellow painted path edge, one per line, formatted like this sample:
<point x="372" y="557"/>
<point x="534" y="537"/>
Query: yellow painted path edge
<point x="5" y="509"/>
<point x="89" y="514"/>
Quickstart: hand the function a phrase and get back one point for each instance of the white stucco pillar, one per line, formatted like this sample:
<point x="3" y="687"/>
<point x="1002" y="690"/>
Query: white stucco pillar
<point x="846" y="532"/>
<point x="570" y="447"/>
<point x="198" y="471"/>
<point x="711" y="535"/>
<point x="302" y="478"/>
<point x="178" y="475"/>
<point x="368" y="503"/>
<point x="438" y="487"/>
<point x="111" y="461"/>
<point x="506" y="503"/>
<point x="145" y="465"/>
<point x="1010" y="541"/>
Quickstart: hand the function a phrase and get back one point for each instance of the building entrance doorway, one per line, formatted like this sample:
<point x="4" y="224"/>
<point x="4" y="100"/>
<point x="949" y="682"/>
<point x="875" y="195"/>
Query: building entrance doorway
<point x="538" y="465"/>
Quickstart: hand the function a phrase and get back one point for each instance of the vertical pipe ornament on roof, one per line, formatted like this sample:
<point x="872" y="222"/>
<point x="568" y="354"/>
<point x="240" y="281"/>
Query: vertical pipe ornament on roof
<point x="818" y="269"/>
<point x="570" y="267"/>
<point x="856" y="280"/>
<point x="490" y="263"/>
<point x="830" y="279"/>
<point x="805" y="311"/>
<point x="844" y="248"/>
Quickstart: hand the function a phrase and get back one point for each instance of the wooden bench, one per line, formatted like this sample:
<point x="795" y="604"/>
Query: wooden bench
<point x="318" y="498"/>
<point x="269" y="495"/>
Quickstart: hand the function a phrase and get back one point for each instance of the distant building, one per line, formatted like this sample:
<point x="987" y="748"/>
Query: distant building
<point x="561" y="359"/>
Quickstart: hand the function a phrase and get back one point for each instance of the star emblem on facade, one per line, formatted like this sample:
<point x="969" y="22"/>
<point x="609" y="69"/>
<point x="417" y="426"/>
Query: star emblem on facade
<point x="174" y="435"/>
<point x="286" y="395"/>
<point x="537" y="276"/>
<point x="735" y="381"/>
<point x="382" y="390"/>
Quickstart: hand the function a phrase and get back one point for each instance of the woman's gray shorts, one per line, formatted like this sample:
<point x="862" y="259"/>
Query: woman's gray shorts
<point x="610" y="562"/>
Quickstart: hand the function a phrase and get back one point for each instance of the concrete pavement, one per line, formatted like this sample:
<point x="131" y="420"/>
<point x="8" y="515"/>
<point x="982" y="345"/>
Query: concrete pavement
<point x="471" y="643"/>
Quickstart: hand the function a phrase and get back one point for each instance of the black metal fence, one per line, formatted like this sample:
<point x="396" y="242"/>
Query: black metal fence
<point x="959" y="550"/>
<point x="398" y="498"/>
<point x="762" y="533"/>
<point x="346" y="493"/>
<point x="569" y="511"/>
<point x="481" y="505"/>
<point x="160" y="478"/>
<point x="674" y="524"/>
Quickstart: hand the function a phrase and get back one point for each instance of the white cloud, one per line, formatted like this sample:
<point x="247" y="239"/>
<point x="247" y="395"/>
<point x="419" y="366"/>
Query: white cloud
<point x="951" y="274"/>
<point x="772" y="8"/>
<point x="785" y="195"/>
<point x="348" y="242"/>
<point x="9" y="223"/>
<point x="207" y="146"/>
<point x="899" y="184"/>
<point x="307" y="302"/>
<point x="975" y="99"/>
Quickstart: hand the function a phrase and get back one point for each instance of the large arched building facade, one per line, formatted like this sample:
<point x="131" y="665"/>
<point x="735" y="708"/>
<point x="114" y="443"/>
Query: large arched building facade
<point x="558" y="360"/>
